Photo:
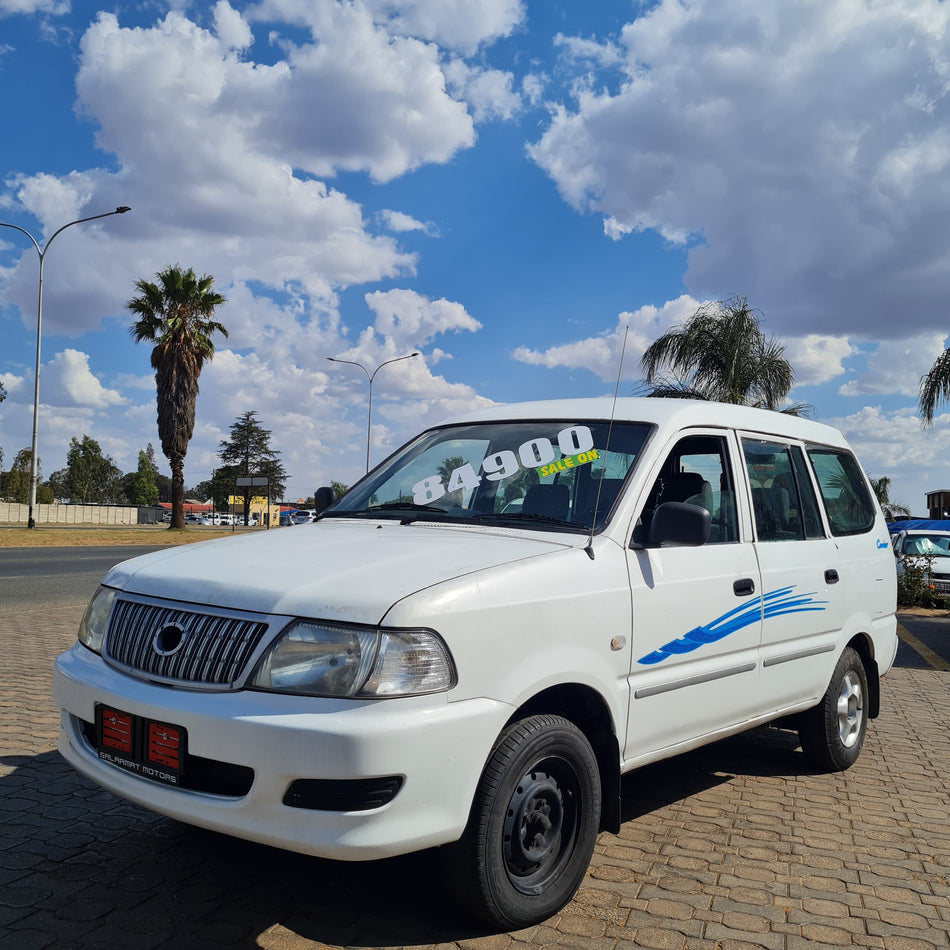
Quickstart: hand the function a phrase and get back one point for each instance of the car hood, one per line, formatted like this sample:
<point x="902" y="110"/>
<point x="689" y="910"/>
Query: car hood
<point x="334" y="570"/>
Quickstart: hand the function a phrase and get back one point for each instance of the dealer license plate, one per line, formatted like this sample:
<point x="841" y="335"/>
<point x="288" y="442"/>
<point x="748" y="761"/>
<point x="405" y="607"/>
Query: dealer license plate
<point x="147" y="747"/>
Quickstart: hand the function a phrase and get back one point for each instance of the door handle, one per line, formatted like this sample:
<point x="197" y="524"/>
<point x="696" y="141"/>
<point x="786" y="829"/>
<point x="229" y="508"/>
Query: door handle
<point x="743" y="587"/>
<point x="831" y="576"/>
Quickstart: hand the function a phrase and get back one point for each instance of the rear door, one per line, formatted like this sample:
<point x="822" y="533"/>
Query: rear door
<point x="696" y="616"/>
<point x="803" y="593"/>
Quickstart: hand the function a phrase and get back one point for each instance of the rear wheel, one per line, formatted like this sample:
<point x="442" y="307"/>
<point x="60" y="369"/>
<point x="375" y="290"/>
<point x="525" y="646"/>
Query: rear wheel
<point x="832" y="733"/>
<point x="533" y="826"/>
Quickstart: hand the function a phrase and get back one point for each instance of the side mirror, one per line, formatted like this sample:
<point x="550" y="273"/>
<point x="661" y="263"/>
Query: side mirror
<point x="322" y="499"/>
<point x="677" y="524"/>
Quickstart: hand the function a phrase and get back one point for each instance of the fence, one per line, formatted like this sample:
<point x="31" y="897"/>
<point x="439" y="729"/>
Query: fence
<point x="12" y="513"/>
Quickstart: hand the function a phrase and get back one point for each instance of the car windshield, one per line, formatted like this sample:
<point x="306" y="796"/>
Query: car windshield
<point x="933" y="545"/>
<point x="553" y="474"/>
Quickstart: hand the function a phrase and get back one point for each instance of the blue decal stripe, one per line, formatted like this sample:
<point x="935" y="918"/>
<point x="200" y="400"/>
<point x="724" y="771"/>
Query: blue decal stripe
<point x="776" y="603"/>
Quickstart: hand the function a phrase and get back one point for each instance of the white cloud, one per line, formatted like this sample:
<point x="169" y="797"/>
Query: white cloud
<point x="490" y="92"/>
<point x="356" y="98"/>
<point x="12" y="384"/>
<point x="399" y="223"/>
<point x="896" y="366"/>
<point x="231" y="27"/>
<point x="408" y="319"/>
<point x="458" y="24"/>
<point x="28" y="7"/>
<point x="816" y="358"/>
<point x="801" y="150"/>
<point x="578" y="48"/>
<point x="67" y="381"/>
<point x="601" y="354"/>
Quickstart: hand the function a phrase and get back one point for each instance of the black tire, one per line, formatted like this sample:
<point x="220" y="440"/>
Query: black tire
<point x="533" y="825"/>
<point x="832" y="733"/>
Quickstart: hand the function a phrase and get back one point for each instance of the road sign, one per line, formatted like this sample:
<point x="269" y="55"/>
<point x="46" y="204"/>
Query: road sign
<point x="256" y="480"/>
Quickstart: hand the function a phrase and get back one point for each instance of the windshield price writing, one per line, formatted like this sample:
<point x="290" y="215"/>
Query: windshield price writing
<point x="576" y="444"/>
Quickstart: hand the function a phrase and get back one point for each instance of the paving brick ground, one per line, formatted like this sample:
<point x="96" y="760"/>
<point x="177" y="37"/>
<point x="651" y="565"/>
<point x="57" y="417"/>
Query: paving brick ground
<point x="738" y="845"/>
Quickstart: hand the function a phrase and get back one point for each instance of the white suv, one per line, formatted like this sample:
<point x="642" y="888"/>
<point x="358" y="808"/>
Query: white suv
<point x="429" y="667"/>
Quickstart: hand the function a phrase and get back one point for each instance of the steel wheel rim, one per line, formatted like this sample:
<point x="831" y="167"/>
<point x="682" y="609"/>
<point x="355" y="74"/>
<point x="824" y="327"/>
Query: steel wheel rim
<point x="540" y="826"/>
<point x="850" y="709"/>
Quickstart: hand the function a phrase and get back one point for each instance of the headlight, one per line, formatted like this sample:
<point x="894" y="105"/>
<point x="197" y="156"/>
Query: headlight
<point x="325" y="659"/>
<point x="95" y="621"/>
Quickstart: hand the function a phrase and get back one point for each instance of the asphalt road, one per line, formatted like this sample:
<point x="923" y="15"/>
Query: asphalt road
<point x="55" y="576"/>
<point x="925" y="642"/>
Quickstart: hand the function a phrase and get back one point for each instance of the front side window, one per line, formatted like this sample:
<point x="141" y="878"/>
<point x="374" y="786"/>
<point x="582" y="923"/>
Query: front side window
<point x="561" y="474"/>
<point x="843" y="490"/>
<point x="696" y="472"/>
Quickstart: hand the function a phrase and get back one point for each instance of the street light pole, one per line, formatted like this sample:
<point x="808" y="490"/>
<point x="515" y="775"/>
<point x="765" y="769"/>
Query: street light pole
<point x="39" y="323"/>
<point x="369" y="417"/>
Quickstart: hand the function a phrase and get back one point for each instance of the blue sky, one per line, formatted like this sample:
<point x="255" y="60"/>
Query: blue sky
<point x="503" y="186"/>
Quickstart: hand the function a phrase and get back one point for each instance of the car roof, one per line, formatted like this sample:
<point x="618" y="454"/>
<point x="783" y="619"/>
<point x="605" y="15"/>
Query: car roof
<point x="667" y="414"/>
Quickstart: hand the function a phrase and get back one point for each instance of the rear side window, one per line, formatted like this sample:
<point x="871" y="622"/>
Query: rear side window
<point x="843" y="490"/>
<point x="783" y="499"/>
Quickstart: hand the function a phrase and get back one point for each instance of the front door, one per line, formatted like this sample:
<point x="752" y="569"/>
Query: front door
<point x="696" y="610"/>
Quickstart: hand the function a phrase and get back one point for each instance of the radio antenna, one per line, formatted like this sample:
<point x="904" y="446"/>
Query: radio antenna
<point x="600" y="482"/>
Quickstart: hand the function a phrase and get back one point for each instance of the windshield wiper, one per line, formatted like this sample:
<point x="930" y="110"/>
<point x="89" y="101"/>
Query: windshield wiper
<point x="414" y="511"/>
<point x="402" y="506"/>
<point x="529" y="516"/>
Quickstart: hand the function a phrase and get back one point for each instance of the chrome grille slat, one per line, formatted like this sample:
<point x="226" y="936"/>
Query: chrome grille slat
<point x="215" y="651"/>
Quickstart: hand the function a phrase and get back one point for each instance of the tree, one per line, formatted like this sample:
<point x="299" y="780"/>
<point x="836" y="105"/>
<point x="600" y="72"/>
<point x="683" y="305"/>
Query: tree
<point x="90" y="478"/>
<point x="882" y="491"/>
<point x="144" y="491"/>
<point x="721" y="354"/>
<point x="934" y="387"/>
<point x="176" y="315"/>
<point x="248" y="454"/>
<point x="16" y="482"/>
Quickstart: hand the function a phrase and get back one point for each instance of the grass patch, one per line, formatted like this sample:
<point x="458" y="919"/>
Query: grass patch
<point x="54" y="536"/>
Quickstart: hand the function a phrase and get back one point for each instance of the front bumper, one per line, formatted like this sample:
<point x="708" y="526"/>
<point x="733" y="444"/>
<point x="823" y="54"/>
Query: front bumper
<point x="435" y="747"/>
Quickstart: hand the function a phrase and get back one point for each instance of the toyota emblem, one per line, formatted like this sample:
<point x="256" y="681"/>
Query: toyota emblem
<point x="169" y="639"/>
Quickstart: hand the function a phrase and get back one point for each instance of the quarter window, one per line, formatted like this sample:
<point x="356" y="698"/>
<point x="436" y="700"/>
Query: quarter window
<point x="843" y="490"/>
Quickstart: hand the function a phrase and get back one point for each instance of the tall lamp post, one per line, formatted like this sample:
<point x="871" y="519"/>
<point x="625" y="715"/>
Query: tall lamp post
<point x="371" y="377"/>
<point x="39" y="324"/>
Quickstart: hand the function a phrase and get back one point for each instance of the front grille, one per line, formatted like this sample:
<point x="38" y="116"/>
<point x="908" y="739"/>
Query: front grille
<point x="213" y="650"/>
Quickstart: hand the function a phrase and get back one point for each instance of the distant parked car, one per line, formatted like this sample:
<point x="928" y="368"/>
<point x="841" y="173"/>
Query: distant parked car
<point x="925" y="543"/>
<point x="287" y="519"/>
<point x="304" y="516"/>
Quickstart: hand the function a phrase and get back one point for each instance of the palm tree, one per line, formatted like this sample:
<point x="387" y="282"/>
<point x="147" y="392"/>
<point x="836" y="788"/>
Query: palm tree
<point x="934" y="387"/>
<point x="893" y="510"/>
<point x="721" y="354"/>
<point x="175" y="314"/>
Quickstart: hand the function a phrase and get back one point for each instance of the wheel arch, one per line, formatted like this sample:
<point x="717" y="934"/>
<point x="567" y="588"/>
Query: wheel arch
<point x="587" y="710"/>
<point x="864" y="646"/>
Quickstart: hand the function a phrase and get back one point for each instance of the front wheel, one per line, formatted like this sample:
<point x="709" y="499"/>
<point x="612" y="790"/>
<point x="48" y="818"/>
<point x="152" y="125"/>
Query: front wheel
<point x="832" y="733"/>
<point x="533" y="825"/>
